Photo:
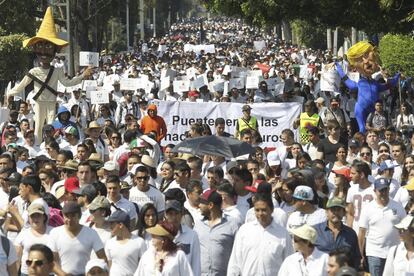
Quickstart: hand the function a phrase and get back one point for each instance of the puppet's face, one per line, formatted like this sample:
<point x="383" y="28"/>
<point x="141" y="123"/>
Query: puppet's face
<point x="45" y="51"/>
<point x="368" y="64"/>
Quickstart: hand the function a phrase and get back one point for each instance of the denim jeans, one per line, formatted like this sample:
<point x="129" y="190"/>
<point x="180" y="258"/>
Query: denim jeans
<point x="376" y="265"/>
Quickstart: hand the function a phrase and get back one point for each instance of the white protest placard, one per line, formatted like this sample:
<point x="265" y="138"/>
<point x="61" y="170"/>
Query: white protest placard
<point x="165" y="83"/>
<point x="73" y="88"/>
<point x="131" y="84"/>
<point x="100" y="97"/>
<point x="148" y="86"/>
<point x="4" y="114"/>
<point x="273" y="118"/>
<point x="237" y="72"/>
<point x="199" y="82"/>
<point x="89" y="85"/>
<point x="259" y="45"/>
<point x="191" y="73"/>
<point x="218" y="86"/>
<point x="89" y="59"/>
<point x="162" y="48"/>
<point x="304" y="72"/>
<point x="236" y="83"/>
<point x="252" y="82"/>
<point x="210" y="48"/>
<point x="181" y="86"/>
<point x="330" y="81"/>
<point x="226" y="70"/>
<point x="279" y="88"/>
<point x="168" y="72"/>
<point x="188" y="47"/>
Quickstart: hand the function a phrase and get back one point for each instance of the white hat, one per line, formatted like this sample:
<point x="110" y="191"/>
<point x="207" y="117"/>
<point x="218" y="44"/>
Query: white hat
<point x="273" y="158"/>
<point x="96" y="263"/>
<point x="305" y="232"/>
<point x="303" y="193"/>
<point x="111" y="166"/>
<point x="134" y="168"/>
<point x="405" y="222"/>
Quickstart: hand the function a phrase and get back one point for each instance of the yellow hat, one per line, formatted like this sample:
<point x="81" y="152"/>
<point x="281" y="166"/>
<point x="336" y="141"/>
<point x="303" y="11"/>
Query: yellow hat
<point x="410" y="185"/>
<point x="46" y="31"/>
<point x="358" y="50"/>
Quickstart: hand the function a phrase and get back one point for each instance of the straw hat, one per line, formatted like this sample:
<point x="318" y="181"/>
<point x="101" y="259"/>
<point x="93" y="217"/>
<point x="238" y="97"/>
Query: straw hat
<point x="47" y="32"/>
<point x="92" y="125"/>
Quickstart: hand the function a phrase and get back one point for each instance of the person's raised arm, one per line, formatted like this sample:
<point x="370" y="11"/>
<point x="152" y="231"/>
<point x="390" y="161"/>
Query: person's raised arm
<point x="352" y="85"/>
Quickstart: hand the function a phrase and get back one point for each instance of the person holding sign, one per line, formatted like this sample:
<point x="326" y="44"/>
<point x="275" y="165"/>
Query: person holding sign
<point x="364" y="57"/>
<point x="45" y="77"/>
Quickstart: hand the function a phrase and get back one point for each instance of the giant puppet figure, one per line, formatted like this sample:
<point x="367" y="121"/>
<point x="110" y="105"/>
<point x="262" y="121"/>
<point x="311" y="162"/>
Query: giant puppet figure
<point x="364" y="57"/>
<point x="45" y="77"/>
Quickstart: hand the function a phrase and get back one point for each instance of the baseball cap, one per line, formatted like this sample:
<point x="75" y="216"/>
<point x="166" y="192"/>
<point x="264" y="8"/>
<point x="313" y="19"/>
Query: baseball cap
<point x="96" y="263"/>
<point x="303" y="193"/>
<point x="88" y="190"/>
<point x="72" y="185"/>
<point x="246" y="107"/>
<point x="346" y="172"/>
<point x="255" y="186"/>
<point x="335" y="202"/>
<point x="15" y="177"/>
<point x="71" y="207"/>
<point x="273" y="158"/>
<point x="405" y="222"/>
<point x="305" y="232"/>
<point x="99" y="202"/>
<point x="136" y="143"/>
<point x="119" y="216"/>
<point x="111" y="166"/>
<point x="72" y="131"/>
<point x="381" y="183"/>
<point x="173" y="205"/>
<point x="353" y="143"/>
<point x="36" y="209"/>
<point x="211" y="196"/>
<point x="386" y="165"/>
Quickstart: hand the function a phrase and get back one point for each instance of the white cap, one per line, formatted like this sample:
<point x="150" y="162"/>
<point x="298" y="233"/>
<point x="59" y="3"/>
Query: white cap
<point x="96" y="263"/>
<point x="111" y="166"/>
<point x="134" y="168"/>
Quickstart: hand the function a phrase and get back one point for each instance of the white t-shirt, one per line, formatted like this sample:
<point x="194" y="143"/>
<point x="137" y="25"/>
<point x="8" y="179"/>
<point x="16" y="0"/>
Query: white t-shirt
<point x="379" y="222"/>
<point x="359" y="199"/>
<point x="316" y="264"/>
<point x="297" y="219"/>
<point x="152" y="195"/>
<point x="74" y="253"/>
<point x="279" y="216"/>
<point x="6" y="261"/>
<point x="124" y="256"/>
<point x="26" y="239"/>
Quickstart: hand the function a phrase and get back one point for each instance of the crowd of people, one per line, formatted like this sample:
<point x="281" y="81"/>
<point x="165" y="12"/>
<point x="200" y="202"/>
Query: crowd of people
<point x="98" y="193"/>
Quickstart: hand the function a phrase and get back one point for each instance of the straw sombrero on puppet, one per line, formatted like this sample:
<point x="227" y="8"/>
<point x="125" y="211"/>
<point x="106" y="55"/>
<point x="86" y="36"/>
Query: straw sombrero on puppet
<point x="47" y="32"/>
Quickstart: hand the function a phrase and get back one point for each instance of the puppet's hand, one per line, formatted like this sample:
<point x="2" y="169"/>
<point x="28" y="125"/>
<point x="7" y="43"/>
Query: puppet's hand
<point x="88" y="72"/>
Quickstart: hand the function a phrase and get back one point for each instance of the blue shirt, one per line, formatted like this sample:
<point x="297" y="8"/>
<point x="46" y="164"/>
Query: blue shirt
<point x="345" y="238"/>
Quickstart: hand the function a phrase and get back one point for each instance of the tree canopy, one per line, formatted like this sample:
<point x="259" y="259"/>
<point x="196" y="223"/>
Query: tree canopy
<point x="372" y="16"/>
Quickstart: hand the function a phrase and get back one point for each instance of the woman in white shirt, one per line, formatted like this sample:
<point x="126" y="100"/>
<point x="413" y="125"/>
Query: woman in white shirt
<point x="38" y="233"/>
<point x="163" y="258"/>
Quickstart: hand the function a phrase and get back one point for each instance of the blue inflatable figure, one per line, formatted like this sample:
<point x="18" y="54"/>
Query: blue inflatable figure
<point x="363" y="56"/>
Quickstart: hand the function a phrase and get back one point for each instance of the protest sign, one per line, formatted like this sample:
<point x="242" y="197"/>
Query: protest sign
<point x="279" y="88"/>
<point x="165" y="83"/>
<point x="330" y="81"/>
<point x="199" y="82"/>
<point x="271" y="83"/>
<point x="252" y="82"/>
<point x="304" y="72"/>
<point x="89" y="59"/>
<point x="99" y="97"/>
<point x="181" y="86"/>
<point x="272" y="118"/>
<point x="259" y="45"/>
<point x="131" y="84"/>
<point x="89" y="85"/>
<point x="236" y="83"/>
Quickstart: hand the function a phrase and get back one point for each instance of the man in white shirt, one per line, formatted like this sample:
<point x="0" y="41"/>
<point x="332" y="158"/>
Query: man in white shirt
<point x="306" y="210"/>
<point x="260" y="253"/>
<point x="187" y="238"/>
<point x="73" y="243"/>
<point x="229" y="207"/>
<point x="142" y="192"/>
<point x="359" y="194"/>
<point x="376" y="226"/>
<point x="117" y="201"/>
<point x="308" y="260"/>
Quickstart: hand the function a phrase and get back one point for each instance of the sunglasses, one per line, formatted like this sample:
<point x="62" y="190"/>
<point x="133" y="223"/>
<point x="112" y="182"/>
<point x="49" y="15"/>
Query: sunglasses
<point x="35" y="262"/>
<point x="365" y="153"/>
<point x="142" y="177"/>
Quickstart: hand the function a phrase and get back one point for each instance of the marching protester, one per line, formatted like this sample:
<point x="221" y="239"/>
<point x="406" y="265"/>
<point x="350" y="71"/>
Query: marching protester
<point x="139" y="194"/>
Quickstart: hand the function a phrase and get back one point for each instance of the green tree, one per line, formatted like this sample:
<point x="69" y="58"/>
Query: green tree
<point x="397" y="53"/>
